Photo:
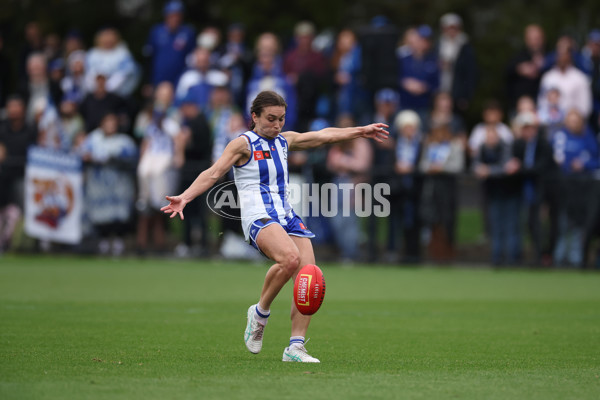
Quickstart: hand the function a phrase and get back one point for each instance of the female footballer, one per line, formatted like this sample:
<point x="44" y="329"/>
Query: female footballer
<point x="259" y="159"/>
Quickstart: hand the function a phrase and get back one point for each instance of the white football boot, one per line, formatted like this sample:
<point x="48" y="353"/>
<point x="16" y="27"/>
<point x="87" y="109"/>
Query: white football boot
<point x="253" y="335"/>
<point x="298" y="353"/>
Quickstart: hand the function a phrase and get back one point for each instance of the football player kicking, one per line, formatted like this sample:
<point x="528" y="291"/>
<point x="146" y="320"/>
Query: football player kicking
<point x="259" y="161"/>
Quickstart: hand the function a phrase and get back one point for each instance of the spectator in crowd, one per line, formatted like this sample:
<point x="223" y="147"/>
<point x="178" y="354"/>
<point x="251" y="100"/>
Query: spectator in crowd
<point x="442" y="114"/>
<point x="268" y="76"/>
<point x="161" y="156"/>
<point x="527" y="66"/>
<point x="9" y="212"/>
<point x="419" y="73"/>
<point x="111" y="58"/>
<point x="458" y="67"/>
<point x="525" y="104"/>
<point x="573" y="85"/>
<point x="346" y="67"/>
<point x="210" y="39"/>
<point x="38" y="86"/>
<point x="267" y="43"/>
<point x="503" y="194"/>
<point x="408" y="42"/>
<point x="492" y="117"/>
<point x="576" y="153"/>
<point x="237" y="61"/>
<point x="532" y="161"/>
<point x="197" y="152"/>
<point x="305" y="69"/>
<point x="406" y="186"/>
<point x="100" y="102"/>
<point x="349" y="163"/>
<point x="169" y="43"/>
<point x="589" y="58"/>
<point x="378" y="41"/>
<point x="198" y="82"/>
<point x="5" y="73"/>
<point x="442" y="158"/>
<point x="56" y="72"/>
<point x="72" y="122"/>
<point x="52" y="47"/>
<point x="386" y="103"/>
<point x="51" y="133"/>
<point x="73" y="42"/>
<point x="551" y="114"/>
<point x="220" y="114"/>
<point x="34" y="43"/>
<point x="73" y="84"/>
<point x="226" y="123"/>
<point x="16" y="135"/>
<point x="109" y="183"/>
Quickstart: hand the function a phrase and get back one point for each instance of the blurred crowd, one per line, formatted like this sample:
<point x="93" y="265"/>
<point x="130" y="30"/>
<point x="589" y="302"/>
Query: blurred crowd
<point x="146" y="127"/>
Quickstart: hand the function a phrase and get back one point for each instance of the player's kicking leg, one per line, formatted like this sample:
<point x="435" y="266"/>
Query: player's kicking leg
<point x="296" y="352"/>
<point x="275" y="243"/>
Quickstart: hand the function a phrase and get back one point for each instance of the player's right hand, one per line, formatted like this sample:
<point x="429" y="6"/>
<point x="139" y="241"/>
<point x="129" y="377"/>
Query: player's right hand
<point x="176" y="206"/>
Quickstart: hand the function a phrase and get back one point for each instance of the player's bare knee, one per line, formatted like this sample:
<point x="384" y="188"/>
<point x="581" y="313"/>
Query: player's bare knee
<point x="290" y="263"/>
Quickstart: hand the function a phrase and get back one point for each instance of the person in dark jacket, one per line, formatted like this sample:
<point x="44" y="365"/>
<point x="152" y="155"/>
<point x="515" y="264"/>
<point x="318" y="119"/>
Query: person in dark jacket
<point x="458" y="66"/>
<point x="525" y="69"/>
<point x="532" y="161"/>
<point x="503" y="194"/>
<point x="198" y="151"/>
<point x="15" y="137"/>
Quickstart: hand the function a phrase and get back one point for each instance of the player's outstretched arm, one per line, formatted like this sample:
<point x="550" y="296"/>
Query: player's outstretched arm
<point x="309" y="140"/>
<point x="235" y="151"/>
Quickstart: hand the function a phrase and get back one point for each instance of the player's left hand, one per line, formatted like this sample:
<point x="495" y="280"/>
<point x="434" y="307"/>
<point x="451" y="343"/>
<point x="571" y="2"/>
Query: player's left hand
<point x="376" y="132"/>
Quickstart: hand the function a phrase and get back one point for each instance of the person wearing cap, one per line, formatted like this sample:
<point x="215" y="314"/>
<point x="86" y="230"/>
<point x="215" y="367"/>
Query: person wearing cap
<point x="532" y="163"/>
<point x="418" y="74"/>
<point x="197" y="154"/>
<point x="458" y="67"/>
<point x="386" y="104"/>
<point x="589" y="63"/>
<point x="168" y="45"/>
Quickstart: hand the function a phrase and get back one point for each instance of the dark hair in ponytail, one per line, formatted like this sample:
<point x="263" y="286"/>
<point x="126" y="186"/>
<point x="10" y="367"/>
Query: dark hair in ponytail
<point x="264" y="99"/>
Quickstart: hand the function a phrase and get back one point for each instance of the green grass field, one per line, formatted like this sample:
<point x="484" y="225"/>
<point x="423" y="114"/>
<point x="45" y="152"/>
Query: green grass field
<point x="73" y="328"/>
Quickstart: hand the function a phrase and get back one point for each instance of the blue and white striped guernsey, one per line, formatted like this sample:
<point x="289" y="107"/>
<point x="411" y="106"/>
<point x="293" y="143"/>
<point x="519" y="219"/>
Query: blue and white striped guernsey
<point x="262" y="182"/>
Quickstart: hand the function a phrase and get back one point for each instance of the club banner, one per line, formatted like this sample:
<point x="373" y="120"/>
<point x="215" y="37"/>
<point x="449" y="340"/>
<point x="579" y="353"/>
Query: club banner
<point x="53" y="195"/>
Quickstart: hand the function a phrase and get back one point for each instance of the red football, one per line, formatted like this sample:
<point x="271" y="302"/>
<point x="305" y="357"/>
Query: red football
<point x="309" y="289"/>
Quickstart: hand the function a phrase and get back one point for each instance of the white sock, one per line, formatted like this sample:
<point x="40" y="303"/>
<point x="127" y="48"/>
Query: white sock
<point x="297" y="341"/>
<point x="262" y="315"/>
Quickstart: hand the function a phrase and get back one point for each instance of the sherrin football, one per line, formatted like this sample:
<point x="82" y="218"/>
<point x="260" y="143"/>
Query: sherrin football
<point x="309" y="289"/>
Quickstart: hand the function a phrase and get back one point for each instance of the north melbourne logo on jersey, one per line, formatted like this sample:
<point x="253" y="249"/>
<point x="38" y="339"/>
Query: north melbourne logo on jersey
<point x="262" y="155"/>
